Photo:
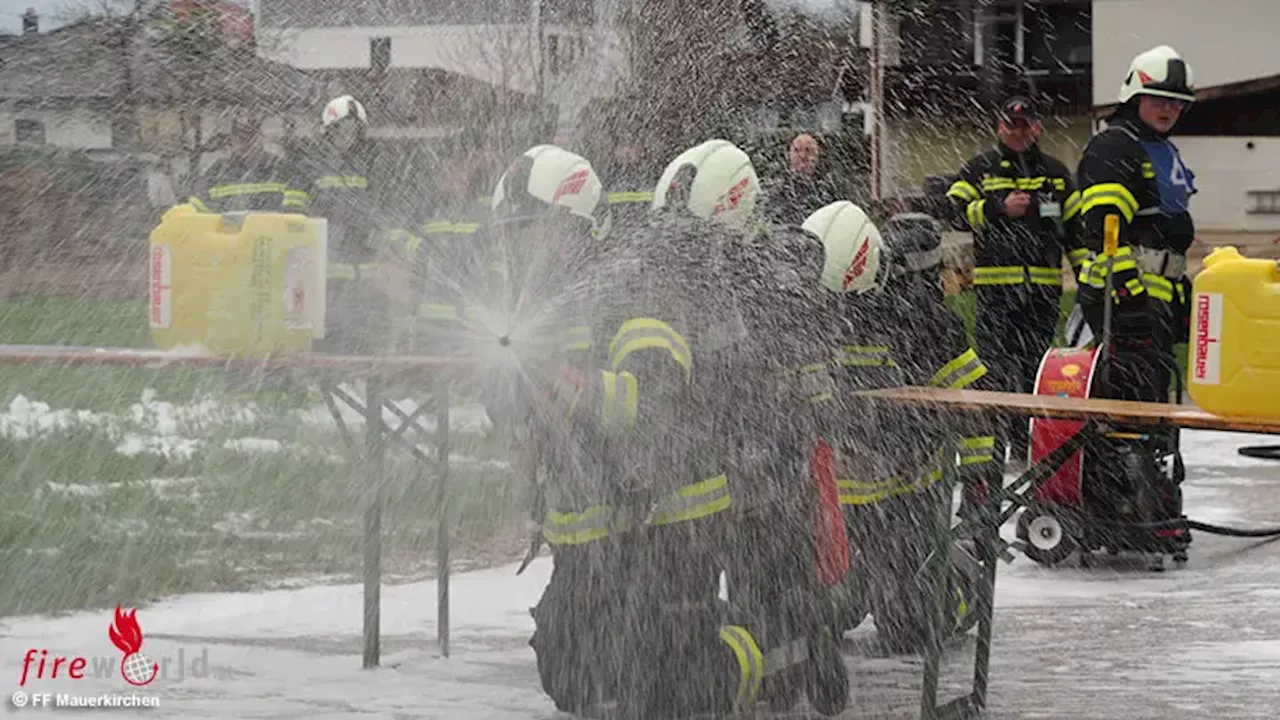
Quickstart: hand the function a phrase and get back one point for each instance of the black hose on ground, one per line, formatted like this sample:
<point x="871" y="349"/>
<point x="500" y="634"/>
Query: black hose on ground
<point x="1261" y="452"/>
<point x="1189" y="524"/>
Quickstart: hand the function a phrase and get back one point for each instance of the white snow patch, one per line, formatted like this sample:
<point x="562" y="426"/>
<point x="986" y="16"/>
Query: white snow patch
<point x="253" y="446"/>
<point x="1203" y="448"/>
<point x="158" y="485"/>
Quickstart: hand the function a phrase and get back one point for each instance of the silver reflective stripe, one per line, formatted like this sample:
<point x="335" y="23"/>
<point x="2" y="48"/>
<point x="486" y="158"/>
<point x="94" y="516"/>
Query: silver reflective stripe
<point x="785" y="656"/>
<point x="1164" y="263"/>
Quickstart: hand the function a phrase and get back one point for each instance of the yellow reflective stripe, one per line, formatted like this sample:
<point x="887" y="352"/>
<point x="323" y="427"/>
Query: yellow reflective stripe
<point x="340" y="271"/>
<point x="853" y="492"/>
<point x="962" y="607"/>
<point x="1109" y="194"/>
<point x="1160" y="288"/>
<point x="577" y="528"/>
<point x="640" y="196"/>
<point x="465" y="228"/>
<point x="621" y="400"/>
<point x="976" y="214"/>
<point x="1078" y="257"/>
<point x="644" y="333"/>
<point x="694" y="501"/>
<point x="1147" y="171"/>
<point x="998" y="183"/>
<point x="359" y="182"/>
<point x="240" y="189"/>
<point x="750" y="665"/>
<point x="999" y="275"/>
<point x="963" y="191"/>
<point x="865" y="356"/>
<point x="1045" y="275"/>
<point x="1071" y="207"/>
<point x="296" y="198"/>
<point x="962" y="371"/>
<point x="577" y="337"/>
<point x="437" y="311"/>
<point x="436" y="227"/>
<point x="976" y="450"/>
<point x="198" y="204"/>
<point x="815" y="383"/>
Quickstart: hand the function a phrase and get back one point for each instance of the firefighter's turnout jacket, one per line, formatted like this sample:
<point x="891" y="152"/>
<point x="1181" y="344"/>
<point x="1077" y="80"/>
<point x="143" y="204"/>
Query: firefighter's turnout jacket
<point x="1130" y="171"/>
<point x="647" y="388"/>
<point x="336" y="186"/>
<point x="1017" y="251"/>
<point x="243" y="183"/>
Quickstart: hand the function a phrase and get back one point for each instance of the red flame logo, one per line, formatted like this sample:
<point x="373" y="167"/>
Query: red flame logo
<point x="125" y="633"/>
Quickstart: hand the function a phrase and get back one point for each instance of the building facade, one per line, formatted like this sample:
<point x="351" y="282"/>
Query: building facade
<point x="1230" y="138"/>
<point x="565" y="52"/>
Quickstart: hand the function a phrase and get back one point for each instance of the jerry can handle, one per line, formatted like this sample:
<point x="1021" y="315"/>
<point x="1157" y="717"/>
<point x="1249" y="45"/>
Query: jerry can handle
<point x="235" y="220"/>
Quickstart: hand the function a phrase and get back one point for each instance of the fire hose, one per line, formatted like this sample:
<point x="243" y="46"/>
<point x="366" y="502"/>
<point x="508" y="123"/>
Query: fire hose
<point x="1184" y="523"/>
<point x="1261" y="452"/>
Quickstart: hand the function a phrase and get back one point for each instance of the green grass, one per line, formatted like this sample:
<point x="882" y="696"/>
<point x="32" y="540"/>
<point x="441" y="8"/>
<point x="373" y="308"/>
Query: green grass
<point x="101" y="512"/>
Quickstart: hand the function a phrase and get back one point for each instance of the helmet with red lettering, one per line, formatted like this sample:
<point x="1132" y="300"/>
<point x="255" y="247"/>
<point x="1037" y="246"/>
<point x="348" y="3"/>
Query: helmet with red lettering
<point x="853" y="247"/>
<point x="549" y="179"/>
<point x="714" y="180"/>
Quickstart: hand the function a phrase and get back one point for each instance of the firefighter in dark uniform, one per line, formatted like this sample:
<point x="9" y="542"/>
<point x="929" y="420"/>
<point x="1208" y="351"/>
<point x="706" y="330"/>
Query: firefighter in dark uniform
<point x="1013" y="198"/>
<point x="249" y="179"/>
<point x="335" y="185"/>
<point x="548" y="209"/>
<point x="1132" y="170"/>
<point x="630" y="184"/>
<point x="900" y="333"/>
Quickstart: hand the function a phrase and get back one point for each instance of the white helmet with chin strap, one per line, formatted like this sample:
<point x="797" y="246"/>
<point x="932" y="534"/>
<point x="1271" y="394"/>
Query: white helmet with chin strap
<point x="714" y="180"/>
<point x="343" y="107"/>
<point x="546" y="177"/>
<point x="853" y="247"/>
<point x="1162" y="72"/>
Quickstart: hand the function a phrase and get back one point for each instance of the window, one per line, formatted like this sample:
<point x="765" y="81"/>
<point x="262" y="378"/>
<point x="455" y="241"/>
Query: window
<point x="380" y="54"/>
<point x="28" y="132"/>
<point x="564" y="52"/>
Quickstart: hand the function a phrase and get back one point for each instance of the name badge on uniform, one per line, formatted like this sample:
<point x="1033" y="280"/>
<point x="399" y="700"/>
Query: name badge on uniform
<point x="1050" y="209"/>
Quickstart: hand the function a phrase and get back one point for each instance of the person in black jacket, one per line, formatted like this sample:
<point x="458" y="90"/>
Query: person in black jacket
<point x="249" y="179"/>
<point x="1012" y="198"/>
<point x="334" y="184"/>
<point x="1132" y="171"/>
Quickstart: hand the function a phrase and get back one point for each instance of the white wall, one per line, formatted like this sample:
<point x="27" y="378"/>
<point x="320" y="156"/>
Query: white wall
<point x="1225" y="170"/>
<point x="505" y="56"/>
<point x="77" y="129"/>
<point x="1224" y="41"/>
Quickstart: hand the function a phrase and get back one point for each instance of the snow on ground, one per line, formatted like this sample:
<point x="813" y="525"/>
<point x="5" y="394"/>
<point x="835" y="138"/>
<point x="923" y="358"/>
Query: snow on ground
<point x="1102" y="642"/>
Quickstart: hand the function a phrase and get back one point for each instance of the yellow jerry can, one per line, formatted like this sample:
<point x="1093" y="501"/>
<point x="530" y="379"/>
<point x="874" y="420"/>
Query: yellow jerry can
<point x="1233" y="367"/>
<point x="240" y="283"/>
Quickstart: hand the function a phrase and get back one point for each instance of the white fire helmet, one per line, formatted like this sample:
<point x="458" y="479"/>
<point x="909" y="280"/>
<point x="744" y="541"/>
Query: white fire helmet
<point x="714" y="180"/>
<point x="343" y="107"/>
<point x="553" y="177"/>
<point x="853" y="247"/>
<point x="1160" y="71"/>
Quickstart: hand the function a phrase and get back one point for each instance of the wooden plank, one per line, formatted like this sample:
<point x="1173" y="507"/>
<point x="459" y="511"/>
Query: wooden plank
<point x="67" y="355"/>
<point x="1118" y="411"/>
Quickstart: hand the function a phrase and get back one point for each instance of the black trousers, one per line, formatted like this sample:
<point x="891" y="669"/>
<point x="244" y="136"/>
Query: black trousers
<point x="1013" y="328"/>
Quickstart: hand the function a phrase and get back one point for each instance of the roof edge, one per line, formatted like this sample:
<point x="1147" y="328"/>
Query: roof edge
<point x="1215" y="92"/>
